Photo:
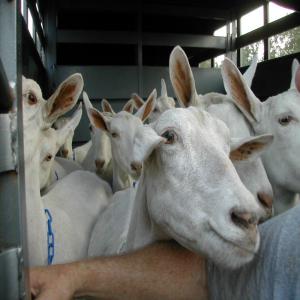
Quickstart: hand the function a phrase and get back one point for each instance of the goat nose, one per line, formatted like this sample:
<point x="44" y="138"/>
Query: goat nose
<point x="65" y="152"/>
<point x="265" y="199"/>
<point x="136" y="166"/>
<point x="244" y="219"/>
<point x="99" y="163"/>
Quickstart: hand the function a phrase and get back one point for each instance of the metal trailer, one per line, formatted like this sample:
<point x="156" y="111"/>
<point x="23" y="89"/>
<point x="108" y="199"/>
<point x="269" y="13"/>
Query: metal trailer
<point x="119" y="47"/>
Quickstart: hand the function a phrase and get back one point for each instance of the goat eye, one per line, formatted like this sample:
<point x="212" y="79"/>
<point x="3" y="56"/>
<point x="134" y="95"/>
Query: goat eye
<point x="114" y="134"/>
<point x="32" y="99"/>
<point x="48" y="157"/>
<point x="284" y="121"/>
<point x="91" y="128"/>
<point x="155" y="110"/>
<point x="170" y="135"/>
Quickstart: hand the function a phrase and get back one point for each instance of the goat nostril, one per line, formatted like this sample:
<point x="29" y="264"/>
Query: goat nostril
<point x="99" y="163"/>
<point x="243" y="219"/>
<point x="265" y="199"/>
<point x="136" y="166"/>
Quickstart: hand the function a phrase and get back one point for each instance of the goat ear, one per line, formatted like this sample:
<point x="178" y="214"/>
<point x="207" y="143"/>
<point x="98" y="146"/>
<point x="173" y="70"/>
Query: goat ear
<point x="295" y="66"/>
<point x="249" y="148"/>
<point x="182" y="78"/>
<point x="64" y="98"/>
<point x="128" y="106"/>
<point x="98" y="120"/>
<point x="138" y="101"/>
<point x="144" y="112"/>
<point x="106" y="107"/>
<point x="164" y="92"/>
<point x="295" y="82"/>
<point x="250" y="72"/>
<point x="145" y="142"/>
<point x="237" y="88"/>
<point x="69" y="127"/>
<point x="87" y="103"/>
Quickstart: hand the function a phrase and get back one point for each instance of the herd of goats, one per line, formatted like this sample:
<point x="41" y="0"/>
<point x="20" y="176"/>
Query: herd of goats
<point x="205" y="174"/>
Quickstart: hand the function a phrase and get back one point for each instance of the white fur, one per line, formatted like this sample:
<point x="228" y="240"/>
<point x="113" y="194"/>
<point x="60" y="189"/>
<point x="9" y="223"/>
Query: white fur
<point x="66" y="150"/>
<point x="54" y="169"/>
<point x="282" y="159"/>
<point x="163" y="103"/>
<point x="187" y="192"/>
<point x="250" y="169"/>
<point x="121" y="129"/>
<point x="39" y="115"/>
<point x="76" y="200"/>
<point x="98" y="157"/>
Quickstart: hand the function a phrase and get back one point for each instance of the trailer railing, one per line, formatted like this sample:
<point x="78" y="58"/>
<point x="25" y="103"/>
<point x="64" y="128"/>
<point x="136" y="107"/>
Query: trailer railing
<point x="13" y="279"/>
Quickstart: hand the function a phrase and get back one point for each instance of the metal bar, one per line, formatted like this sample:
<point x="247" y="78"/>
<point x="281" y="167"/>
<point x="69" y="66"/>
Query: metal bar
<point x="12" y="186"/>
<point x="140" y="50"/>
<point x="187" y="11"/>
<point x="149" y="39"/>
<point x="266" y="40"/>
<point x="185" y="40"/>
<point x="51" y="34"/>
<point x="232" y="42"/>
<point x="228" y="52"/>
<point x="193" y="11"/>
<point x="37" y="21"/>
<point x="30" y="44"/>
<point x="7" y="162"/>
<point x="97" y="37"/>
<point x="269" y="30"/>
<point x="119" y="82"/>
<point x="24" y="8"/>
<point x="238" y="34"/>
<point x="9" y="260"/>
<point x="6" y="97"/>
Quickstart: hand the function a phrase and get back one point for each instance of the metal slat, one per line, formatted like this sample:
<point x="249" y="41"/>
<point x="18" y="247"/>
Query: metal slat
<point x="6" y="97"/>
<point x="12" y="186"/>
<point x="148" y="39"/>
<point x="9" y="275"/>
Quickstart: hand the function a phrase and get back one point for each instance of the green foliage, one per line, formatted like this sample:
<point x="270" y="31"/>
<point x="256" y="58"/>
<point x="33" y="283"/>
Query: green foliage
<point x="205" y="64"/>
<point x="285" y="43"/>
<point x="281" y="44"/>
<point x="248" y="52"/>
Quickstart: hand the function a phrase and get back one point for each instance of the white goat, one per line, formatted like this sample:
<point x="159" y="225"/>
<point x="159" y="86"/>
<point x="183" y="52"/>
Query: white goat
<point x="40" y="109"/>
<point x="278" y="115"/>
<point x="245" y="158"/>
<point x="163" y="103"/>
<point x="120" y="128"/>
<point x="189" y="191"/>
<point x="75" y="201"/>
<point x="99" y="155"/>
<point x="52" y="170"/>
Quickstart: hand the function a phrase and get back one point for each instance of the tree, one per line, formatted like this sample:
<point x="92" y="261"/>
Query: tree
<point x="205" y="64"/>
<point x="249" y="51"/>
<point x="285" y="43"/>
<point x="280" y="44"/>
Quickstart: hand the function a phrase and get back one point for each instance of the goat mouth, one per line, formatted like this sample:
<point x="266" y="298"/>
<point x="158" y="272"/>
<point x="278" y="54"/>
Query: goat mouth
<point x="231" y="243"/>
<point x="135" y="174"/>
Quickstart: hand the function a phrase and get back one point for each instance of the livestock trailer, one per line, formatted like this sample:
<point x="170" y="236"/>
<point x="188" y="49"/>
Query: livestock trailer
<point x="120" y="48"/>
